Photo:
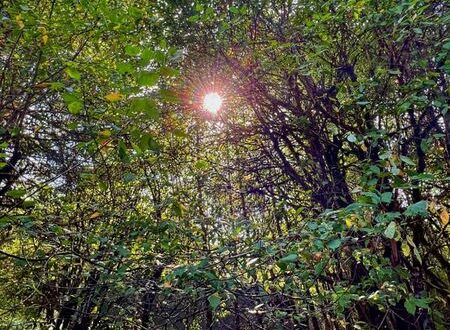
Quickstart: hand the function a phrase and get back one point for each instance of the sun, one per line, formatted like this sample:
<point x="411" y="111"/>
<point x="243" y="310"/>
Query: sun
<point x="212" y="102"/>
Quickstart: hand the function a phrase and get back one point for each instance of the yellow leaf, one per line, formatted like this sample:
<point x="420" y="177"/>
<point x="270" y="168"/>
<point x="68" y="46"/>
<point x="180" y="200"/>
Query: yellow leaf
<point x="167" y="285"/>
<point x="105" y="133"/>
<point x="94" y="215"/>
<point x="114" y="96"/>
<point x="44" y="39"/>
<point x="444" y="217"/>
<point x="432" y="206"/>
<point x="350" y="220"/>
<point x="19" y="21"/>
<point x="406" y="249"/>
<point x="42" y="29"/>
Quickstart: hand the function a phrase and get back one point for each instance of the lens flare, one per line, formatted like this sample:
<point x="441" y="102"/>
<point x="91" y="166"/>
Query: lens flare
<point x="212" y="102"/>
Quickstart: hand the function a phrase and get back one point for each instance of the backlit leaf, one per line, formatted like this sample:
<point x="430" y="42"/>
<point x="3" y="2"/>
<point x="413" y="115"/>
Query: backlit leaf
<point x="114" y="97"/>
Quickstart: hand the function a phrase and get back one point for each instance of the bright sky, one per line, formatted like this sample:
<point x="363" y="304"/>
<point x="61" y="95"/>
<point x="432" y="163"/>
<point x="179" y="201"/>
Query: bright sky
<point x="212" y="102"/>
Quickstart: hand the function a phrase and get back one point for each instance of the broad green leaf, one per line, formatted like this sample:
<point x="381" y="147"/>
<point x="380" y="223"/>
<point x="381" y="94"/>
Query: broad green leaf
<point x="168" y="96"/>
<point x="124" y="68"/>
<point x="422" y="302"/>
<point x="132" y="50"/>
<point x="386" y="197"/>
<point x="419" y="208"/>
<point x="123" y="251"/>
<point x="334" y="244"/>
<point x="16" y="193"/>
<point x="169" y="72"/>
<point x="288" y="259"/>
<point x="390" y="230"/>
<point x="75" y="107"/>
<point x="147" y="78"/>
<point x="146" y="106"/>
<point x="410" y="306"/>
<point x="73" y="73"/>
<point x="214" y="301"/>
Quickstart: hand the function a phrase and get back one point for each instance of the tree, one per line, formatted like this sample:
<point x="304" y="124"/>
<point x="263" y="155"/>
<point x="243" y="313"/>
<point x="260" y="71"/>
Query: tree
<point x="316" y="197"/>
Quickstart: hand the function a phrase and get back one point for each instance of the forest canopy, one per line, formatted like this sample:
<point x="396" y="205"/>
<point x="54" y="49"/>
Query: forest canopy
<point x="224" y="164"/>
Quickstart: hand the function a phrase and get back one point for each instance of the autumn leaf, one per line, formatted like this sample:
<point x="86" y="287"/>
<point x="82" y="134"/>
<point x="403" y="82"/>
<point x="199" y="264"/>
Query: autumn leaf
<point x="444" y="217"/>
<point x="44" y="39"/>
<point x="94" y="215"/>
<point x="114" y="97"/>
<point x="42" y="85"/>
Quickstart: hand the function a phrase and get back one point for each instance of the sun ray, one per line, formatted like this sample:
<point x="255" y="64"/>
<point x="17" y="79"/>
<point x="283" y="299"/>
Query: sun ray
<point x="212" y="102"/>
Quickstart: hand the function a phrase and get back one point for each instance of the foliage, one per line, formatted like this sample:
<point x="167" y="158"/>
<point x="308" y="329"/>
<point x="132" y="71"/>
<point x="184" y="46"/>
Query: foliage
<point x="317" y="197"/>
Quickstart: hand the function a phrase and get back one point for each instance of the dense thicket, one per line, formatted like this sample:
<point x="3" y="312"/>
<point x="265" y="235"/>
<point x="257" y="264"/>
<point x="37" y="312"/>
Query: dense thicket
<point x="316" y="197"/>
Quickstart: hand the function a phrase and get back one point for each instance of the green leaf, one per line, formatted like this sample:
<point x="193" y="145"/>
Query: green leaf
<point x="75" y="107"/>
<point x="214" y="301"/>
<point x="193" y="18"/>
<point x="124" y="68"/>
<point x="334" y="244"/>
<point x="128" y="177"/>
<point x="131" y="50"/>
<point x="177" y="208"/>
<point x="410" y="306"/>
<point x="446" y="46"/>
<point x="395" y="72"/>
<point x="417" y="254"/>
<point x="424" y="145"/>
<point x="178" y="132"/>
<point x="422" y="302"/>
<point x="386" y="197"/>
<point x="412" y="303"/>
<point x="5" y="221"/>
<point x="145" y="105"/>
<point x="123" y="251"/>
<point x="122" y="149"/>
<point x="390" y="230"/>
<point x="169" y="72"/>
<point x="201" y="164"/>
<point x="288" y="259"/>
<point x="407" y="160"/>
<point x="373" y="197"/>
<point x="16" y="193"/>
<point x="71" y="97"/>
<point x="73" y="73"/>
<point x="56" y="86"/>
<point x="168" y="96"/>
<point x="234" y="10"/>
<point x="26" y="204"/>
<point x="147" y="78"/>
<point x="419" y="208"/>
